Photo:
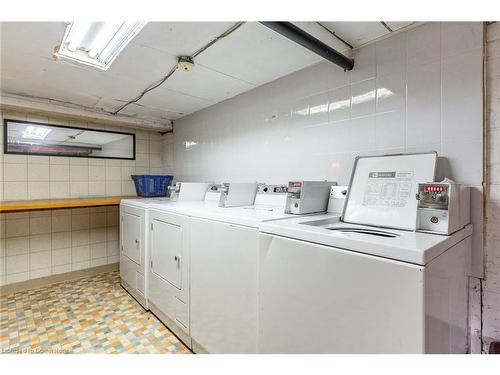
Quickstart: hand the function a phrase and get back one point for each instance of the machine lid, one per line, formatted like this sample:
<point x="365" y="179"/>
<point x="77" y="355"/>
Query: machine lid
<point x="400" y="245"/>
<point x="382" y="189"/>
<point x="248" y="216"/>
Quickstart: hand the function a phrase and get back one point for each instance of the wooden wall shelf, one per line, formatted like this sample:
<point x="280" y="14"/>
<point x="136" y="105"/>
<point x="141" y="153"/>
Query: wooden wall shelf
<point x="50" y="204"/>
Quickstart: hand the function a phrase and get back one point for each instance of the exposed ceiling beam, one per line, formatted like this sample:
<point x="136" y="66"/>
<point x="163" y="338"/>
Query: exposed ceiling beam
<point x="299" y="36"/>
<point x="53" y="108"/>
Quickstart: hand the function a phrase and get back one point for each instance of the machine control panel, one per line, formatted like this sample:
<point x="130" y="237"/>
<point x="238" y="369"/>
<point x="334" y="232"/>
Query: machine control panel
<point x="306" y="197"/>
<point x="442" y="208"/>
<point x="174" y="191"/>
<point x="338" y="195"/>
<point x="237" y="194"/>
<point x="272" y="189"/>
<point x="189" y="191"/>
<point x="433" y="196"/>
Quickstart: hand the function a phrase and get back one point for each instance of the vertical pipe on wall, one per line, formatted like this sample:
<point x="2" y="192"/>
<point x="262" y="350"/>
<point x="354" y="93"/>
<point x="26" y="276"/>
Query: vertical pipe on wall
<point x="485" y="176"/>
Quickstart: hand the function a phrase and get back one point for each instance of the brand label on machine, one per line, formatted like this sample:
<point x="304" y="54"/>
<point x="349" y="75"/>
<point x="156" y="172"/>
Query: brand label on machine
<point x="388" y="189"/>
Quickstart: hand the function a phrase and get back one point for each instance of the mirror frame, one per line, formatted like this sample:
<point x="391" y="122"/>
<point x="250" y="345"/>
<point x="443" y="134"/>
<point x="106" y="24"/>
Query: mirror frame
<point x="5" y="141"/>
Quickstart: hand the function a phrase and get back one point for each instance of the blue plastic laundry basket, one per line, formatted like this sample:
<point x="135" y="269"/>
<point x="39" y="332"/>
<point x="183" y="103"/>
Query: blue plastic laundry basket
<point x="151" y="185"/>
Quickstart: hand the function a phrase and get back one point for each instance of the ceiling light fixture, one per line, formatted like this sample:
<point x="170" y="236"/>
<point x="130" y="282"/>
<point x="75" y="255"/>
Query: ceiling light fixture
<point x="185" y="63"/>
<point x="97" y="44"/>
<point x="36" y="132"/>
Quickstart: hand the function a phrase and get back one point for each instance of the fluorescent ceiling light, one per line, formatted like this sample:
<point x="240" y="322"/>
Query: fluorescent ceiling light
<point x="97" y="43"/>
<point x="190" y="144"/>
<point x="36" y="132"/>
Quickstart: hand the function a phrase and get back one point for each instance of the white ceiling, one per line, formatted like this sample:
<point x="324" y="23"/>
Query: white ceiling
<point x="359" y="33"/>
<point x="250" y="56"/>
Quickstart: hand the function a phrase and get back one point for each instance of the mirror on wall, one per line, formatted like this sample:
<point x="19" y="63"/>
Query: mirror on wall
<point x="31" y="138"/>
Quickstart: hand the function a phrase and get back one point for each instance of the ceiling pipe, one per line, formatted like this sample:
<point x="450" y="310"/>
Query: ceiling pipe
<point x="62" y="110"/>
<point x="299" y="36"/>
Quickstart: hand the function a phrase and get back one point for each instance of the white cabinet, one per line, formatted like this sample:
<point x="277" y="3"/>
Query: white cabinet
<point x="224" y="282"/>
<point x="133" y="251"/>
<point x="168" y="282"/>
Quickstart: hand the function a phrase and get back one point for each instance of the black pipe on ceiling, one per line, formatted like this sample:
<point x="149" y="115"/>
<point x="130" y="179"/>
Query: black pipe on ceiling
<point x="299" y="36"/>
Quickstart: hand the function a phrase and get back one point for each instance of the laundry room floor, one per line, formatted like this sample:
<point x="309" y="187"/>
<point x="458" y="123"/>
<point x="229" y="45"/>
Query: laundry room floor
<point x="88" y="315"/>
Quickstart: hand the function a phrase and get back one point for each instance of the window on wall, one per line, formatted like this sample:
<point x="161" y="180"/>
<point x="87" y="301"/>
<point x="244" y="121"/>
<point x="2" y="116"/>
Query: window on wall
<point x="31" y="138"/>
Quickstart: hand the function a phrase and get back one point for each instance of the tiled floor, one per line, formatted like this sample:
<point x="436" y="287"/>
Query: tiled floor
<point x="88" y="315"/>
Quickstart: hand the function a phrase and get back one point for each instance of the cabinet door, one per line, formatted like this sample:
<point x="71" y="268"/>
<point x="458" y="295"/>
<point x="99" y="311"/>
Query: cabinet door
<point x="131" y="237"/>
<point x="166" y="252"/>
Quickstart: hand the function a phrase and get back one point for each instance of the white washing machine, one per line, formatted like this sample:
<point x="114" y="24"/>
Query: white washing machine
<point x="224" y="244"/>
<point x="331" y="287"/>
<point x="369" y="283"/>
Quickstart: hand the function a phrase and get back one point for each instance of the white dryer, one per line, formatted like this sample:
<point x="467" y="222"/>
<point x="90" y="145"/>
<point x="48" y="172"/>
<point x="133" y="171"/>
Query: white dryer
<point x="134" y="237"/>
<point x="169" y="262"/>
<point x="134" y="247"/>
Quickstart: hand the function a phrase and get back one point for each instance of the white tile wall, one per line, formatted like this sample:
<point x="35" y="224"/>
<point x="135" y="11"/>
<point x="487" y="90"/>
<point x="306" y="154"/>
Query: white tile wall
<point x="416" y="91"/>
<point x="42" y="177"/>
<point x="42" y="243"/>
